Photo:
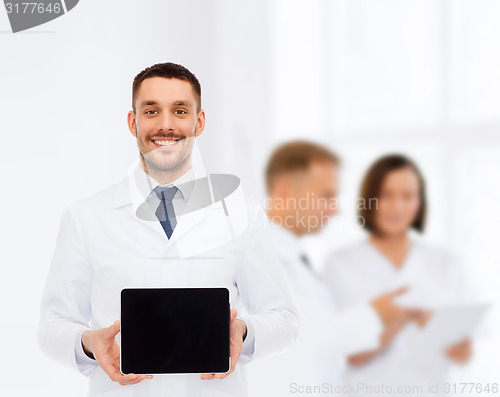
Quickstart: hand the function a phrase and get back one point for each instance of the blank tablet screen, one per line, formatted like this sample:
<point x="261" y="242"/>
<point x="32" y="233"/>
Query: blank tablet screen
<point x="174" y="330"/>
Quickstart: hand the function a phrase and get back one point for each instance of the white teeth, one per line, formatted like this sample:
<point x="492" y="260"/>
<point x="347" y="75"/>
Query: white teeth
<point x="165" y="143"/>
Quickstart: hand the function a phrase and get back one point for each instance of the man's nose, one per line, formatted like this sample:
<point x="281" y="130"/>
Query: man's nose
<point x="166" y="122"/>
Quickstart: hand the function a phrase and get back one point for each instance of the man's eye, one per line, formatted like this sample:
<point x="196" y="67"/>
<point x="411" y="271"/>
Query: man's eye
<point x="180" y="111"/>
<point x="151" y="111"/>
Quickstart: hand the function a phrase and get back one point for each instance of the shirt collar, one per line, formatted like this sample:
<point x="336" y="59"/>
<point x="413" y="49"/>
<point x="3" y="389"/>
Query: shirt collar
<point x="289" y="246"/>
<point x="184" y="183"/>
<point x="141" y="184"/>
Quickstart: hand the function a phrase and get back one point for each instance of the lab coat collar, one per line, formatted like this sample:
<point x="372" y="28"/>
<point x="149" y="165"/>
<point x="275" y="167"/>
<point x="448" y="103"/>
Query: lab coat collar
<point x="288" y="245"/>
<point x="142" y="184"/>
<point x="182" y="183"/>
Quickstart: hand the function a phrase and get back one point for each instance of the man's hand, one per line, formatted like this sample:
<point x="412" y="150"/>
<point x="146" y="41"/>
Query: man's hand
<point x="101" y="343"/>
<point x="460" y="352"/>
<point x="238" y="332"/>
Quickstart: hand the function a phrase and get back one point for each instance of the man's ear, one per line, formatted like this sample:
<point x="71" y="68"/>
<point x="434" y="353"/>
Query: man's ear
<point x="131" y="122"/>
<point x="200" y="123"/>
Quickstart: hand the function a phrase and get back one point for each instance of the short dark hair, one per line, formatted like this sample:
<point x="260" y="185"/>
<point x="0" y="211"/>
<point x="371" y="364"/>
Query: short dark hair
<point x="296" y="156"/>
<point x="167" y="70"/>
<point x="372" y="184"/>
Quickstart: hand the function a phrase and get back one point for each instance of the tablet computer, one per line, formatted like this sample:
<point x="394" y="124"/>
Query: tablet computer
<point x="174" y="330"/>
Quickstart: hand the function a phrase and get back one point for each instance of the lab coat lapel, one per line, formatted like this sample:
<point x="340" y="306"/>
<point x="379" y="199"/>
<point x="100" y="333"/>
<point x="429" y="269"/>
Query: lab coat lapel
<point x="122" y="196"/>
<point x="185" y="223"/>
<point x="196" y="210"/>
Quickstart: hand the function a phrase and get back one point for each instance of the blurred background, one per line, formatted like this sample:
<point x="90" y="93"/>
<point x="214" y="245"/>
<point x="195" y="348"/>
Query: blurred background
<point x="363" y="77"/>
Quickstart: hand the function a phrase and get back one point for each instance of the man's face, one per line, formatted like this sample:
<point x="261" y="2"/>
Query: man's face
<point x="165" y="122"/>
<point x="310" y="196"/>
<point x="319" y="189"/>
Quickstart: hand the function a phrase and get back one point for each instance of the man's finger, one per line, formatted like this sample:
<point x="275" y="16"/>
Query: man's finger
<point x="114" y="328"/>
<point x="126" y="379"/>
<point x="222" y="375"/>
<point x="217" y="375"/>
<point x="108" y="365"/>
<point x="139" y="378"/>
<point x="234" y="313"/>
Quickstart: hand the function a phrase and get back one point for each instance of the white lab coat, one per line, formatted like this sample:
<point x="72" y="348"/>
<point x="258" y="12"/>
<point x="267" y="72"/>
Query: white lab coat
<point x="360" y="273"/>
<point x="325" y="333"/>
<point x="103" y="247"/>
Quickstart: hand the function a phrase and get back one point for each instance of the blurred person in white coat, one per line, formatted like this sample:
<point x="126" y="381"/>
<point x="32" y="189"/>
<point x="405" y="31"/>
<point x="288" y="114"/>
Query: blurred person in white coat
<point x="393" y="201"/>
<point x="120" y="238"/>
<point x="302" y="183"/>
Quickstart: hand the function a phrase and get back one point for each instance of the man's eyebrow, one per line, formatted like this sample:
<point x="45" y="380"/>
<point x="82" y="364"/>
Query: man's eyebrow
<point x="179" y="102"/>
<point x="148" y="103"/>
<point x="182" y="102"/>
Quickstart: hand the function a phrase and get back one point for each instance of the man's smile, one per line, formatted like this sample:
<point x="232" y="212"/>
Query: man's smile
<point x="165" y="143"/>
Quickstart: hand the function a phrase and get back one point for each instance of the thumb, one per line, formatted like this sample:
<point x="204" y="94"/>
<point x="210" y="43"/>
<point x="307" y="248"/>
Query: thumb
<point x="234" y="313"/>
<point x="114" y="328"/>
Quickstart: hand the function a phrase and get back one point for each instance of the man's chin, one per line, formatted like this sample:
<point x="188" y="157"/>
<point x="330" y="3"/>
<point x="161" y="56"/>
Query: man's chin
<point x="161" y="166"/>
<point x="162" y="162"/>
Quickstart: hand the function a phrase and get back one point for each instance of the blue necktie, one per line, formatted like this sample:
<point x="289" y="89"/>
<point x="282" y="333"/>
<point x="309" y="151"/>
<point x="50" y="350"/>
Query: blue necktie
<point x="305" y="260"/>
<point x="165" y="212"/>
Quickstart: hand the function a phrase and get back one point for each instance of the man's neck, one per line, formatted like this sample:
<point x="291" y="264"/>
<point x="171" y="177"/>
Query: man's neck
<point x="165" y="177"/>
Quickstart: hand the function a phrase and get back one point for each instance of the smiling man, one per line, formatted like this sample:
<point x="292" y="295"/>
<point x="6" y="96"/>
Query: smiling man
<point x="150" y="231"/>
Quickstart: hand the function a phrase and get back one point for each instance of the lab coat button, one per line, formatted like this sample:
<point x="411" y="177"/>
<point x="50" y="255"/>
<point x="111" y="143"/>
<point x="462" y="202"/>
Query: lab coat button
<point x="169" y="393"/>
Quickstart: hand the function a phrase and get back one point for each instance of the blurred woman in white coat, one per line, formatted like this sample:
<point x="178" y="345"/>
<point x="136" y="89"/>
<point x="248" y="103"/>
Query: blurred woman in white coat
<point x="393" y="202"/>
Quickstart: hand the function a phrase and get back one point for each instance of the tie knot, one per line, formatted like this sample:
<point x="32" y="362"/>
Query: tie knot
<point x="166" y="192"/>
